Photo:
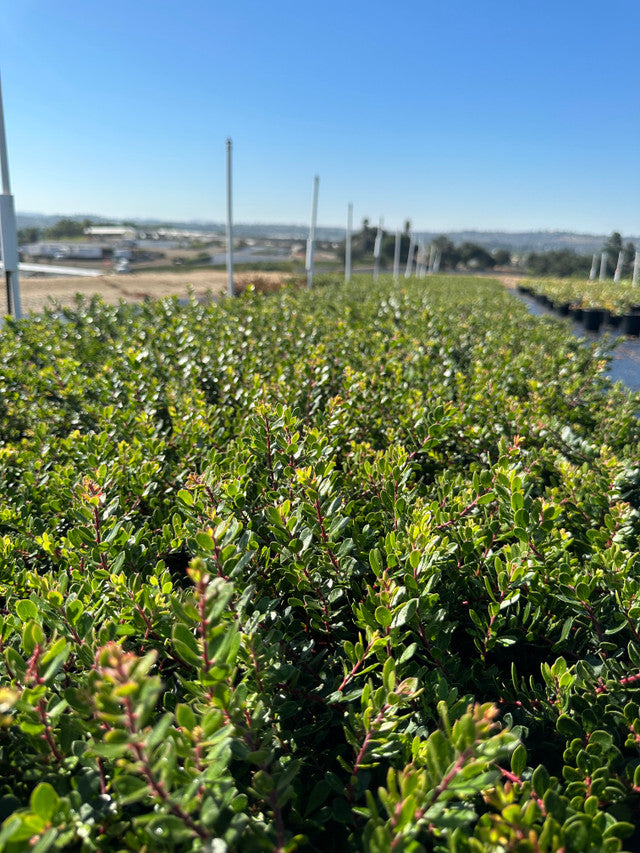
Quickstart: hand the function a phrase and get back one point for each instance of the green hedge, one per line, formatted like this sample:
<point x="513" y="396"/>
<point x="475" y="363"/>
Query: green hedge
<point x="348" y="569"/>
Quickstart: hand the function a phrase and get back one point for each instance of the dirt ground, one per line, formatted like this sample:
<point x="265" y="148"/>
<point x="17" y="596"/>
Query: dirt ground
<point x="37" y="292"/>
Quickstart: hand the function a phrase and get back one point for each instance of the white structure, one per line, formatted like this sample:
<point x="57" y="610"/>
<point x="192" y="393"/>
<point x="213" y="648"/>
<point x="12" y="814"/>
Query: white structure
<point x="312" y="232"/>
<point x="377" y="251"/>
<point x="409" y="267"/>
<point x="229" y="224"/>
<point x="347" y="245"/>
<point x="111" y="232"/>
<point x="603" y="266"/>
<point x="618" y="273"/>
<point x="594" y="267"/>
<point x="396" y="256"/>
<point x="636" y="269"/>
<point x="8" y="229"/>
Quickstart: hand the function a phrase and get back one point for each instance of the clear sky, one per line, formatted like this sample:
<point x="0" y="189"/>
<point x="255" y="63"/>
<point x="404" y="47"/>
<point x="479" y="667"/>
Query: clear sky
<point x="455" y="114"/>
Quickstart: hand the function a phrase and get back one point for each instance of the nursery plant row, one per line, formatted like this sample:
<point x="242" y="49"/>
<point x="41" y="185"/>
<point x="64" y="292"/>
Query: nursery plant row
<point x="353" y="568"/>
<point x="595" y="304"/>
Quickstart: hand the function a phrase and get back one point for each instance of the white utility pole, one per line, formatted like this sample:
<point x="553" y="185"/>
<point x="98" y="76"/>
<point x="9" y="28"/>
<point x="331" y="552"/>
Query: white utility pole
<point x="436" y="263"/>
<point x="377" y="250"/>
<point x="423" y="261"/>
<point x="347" y="246"/>
<point x="431" y="259"/>
<point x="594" y="268"/>
<point x="229" y="223"/>
<point x="312" y="232"/>
<point x="603" y="266"/>
<point x="409" y="267"/>
<point x="8" y="229"/>
<point x="636" y="269"/>
<point x="396" y="256"/>
<point x="618" y="273"/>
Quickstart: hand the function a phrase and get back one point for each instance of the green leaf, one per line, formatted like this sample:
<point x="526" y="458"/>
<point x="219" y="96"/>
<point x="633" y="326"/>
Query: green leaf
<point x="44" y="801"/>
<point x="26" y="610"/>
<point x="518" y="760"/>
<point x="186" y="497"/>
<point x="383" y="616"/>
<point x="186" y="644"/>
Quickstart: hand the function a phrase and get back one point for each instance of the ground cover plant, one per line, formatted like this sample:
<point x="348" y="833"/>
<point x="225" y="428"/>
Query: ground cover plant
<point x="350" y="568"/>
<point x="616" y="297"/>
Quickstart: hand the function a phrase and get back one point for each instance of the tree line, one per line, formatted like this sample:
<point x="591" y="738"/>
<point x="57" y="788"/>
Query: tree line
<point x="468" y="255"/>
<point x="559" y="263"/>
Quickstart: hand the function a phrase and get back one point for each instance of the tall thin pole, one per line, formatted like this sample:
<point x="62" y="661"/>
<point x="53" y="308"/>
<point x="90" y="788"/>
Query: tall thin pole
<point x="347" y="246"/>
<point x="396" y="256"/>
<point x="8" y="228"/>
<point x="636" y="269"/>
<point x="229" y="223"/>
<point x="618" y="273"/>
<point x="312" y="232"/>
<point x="409" y="267"/>
<point x="377" y="249"/>
<point x="594" y="268"/>
<point x="603" y="266"/>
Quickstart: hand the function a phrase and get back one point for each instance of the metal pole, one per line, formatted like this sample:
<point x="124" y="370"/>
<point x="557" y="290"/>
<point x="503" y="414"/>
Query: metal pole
<point x="312" y="232"/>
<point x="396" y="256"/>
<point x="409" y="267"/>
<point x="594" y="268"/>
<point x="377" y="246"/>
<point x="636" y="269"/>
<point x="603" y="266"/>
<point x="229" y="223"/>
<point x="347" y="247"/>
<point x="8" y="228"/>
<point x="618" y="273"/>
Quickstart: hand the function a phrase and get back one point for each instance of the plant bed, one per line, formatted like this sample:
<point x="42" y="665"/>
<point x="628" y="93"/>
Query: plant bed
<point x="349" y="568"/>
<point x="593" y="318"/>
<point x="631" y="324"/>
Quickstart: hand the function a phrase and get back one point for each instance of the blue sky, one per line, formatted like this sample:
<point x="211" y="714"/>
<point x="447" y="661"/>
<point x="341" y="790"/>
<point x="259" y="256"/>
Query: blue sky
<point x="459" y="114"/>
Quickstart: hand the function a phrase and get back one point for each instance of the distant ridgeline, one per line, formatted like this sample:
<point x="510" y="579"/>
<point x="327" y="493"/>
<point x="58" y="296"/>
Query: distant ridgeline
<point x="518" y="241"/>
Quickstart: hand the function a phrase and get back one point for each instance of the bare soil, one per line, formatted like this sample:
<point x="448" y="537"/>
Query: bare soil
<point x="37" y="292"/>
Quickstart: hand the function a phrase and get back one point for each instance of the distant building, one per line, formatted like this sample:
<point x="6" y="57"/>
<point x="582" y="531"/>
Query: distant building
<point x="111" y="232"/>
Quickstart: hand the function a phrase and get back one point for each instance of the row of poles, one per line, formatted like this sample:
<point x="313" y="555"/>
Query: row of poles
<point x="617" y="276"/>
<point x="427" y="260"/>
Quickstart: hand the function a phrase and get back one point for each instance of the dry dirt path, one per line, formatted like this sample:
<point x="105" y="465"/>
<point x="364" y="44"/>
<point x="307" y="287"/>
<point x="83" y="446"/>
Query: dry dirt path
<point x="37" y="292"/>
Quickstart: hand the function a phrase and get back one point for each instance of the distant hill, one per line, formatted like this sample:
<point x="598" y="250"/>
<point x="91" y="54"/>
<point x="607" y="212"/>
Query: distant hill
<point x="515" y="241"/>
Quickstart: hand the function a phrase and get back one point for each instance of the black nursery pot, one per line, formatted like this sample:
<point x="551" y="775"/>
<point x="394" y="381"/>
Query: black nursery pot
<point x="577" y="313"/>
<point x="593" y="318"/>
<point x="614" y="320"/>
<point x="563" y="309"/>
<point x="631" y="324"/>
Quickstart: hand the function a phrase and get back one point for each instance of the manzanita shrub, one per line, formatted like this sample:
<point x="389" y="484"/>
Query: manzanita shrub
<point x="616" y="297"/>
<point x="351" y="569"/>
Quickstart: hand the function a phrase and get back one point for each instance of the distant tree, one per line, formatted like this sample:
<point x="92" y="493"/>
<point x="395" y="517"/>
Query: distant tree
<point x="475" y="257"/>
<point x="28" y="235"/>
<point x="560" y="264"/>
<point x="65" y="228"/>
<point x="612" y="247"/>
<point x="502" y="257"/>
<point x="449" y="255"/>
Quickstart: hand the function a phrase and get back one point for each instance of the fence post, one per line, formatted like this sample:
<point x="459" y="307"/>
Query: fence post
<point x="229" y="224"/>
<point x="347" y="247"/>
<point x="8" y="228"/>
<point x="312" y="232"/>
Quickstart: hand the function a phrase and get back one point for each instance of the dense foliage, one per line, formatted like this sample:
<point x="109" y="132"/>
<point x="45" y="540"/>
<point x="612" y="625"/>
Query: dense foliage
<point x="348" y="569"/>
<point x="616" y="297"/>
